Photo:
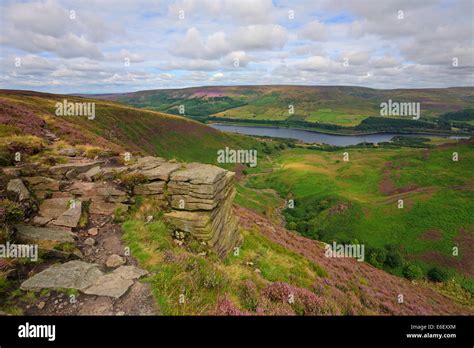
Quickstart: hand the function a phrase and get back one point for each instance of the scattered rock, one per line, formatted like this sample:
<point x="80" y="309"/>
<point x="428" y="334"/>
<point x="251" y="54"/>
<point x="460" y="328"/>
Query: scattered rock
<point x="93" y="231"/>
<point x="41" y="305"/>
<point x="130" y="272"/>
<point x="17" y="186"/>
<point x="114" y="261"/>
<point x="69" y="151"/>
<point x="92" y="174"/>
<point x="89" y="241"/>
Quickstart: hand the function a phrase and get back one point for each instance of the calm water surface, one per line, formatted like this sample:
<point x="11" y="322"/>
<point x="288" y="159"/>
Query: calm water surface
<point x="312" y="137"/>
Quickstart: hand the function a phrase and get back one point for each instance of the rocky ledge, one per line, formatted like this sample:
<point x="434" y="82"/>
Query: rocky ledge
<point x="196" y="198"/>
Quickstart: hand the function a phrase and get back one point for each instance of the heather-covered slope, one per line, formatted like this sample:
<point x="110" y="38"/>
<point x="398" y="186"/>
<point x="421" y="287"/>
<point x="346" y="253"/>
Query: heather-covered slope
<point x="115" y="126"/>
<point x="356" y="287"/>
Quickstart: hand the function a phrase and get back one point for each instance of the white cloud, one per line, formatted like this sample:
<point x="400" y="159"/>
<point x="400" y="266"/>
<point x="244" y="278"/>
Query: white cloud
<point x="87" y="54"/>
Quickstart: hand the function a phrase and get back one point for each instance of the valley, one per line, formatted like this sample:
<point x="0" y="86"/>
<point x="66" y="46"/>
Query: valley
<point x="407" y="201"/>
<point x="331" y="109"/>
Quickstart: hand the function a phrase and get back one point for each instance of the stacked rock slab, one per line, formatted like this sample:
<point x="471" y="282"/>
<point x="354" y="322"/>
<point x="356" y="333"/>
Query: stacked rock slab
<point x="201" y="199"/>
<point x="198" y="197"/>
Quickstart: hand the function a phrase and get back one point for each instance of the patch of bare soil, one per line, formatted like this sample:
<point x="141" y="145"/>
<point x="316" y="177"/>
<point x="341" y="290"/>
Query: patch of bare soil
<point x="357" y="287"/>
<point x="339" y="208"/>
<point x="387" y="186"/>
<point x="463" y="262"/>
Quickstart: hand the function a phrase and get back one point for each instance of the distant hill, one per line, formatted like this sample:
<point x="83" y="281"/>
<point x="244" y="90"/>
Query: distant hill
<point x="115" y="126"/>
<point x="344" y="106"/>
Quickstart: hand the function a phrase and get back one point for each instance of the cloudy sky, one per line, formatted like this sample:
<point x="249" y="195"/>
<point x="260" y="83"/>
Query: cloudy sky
<point x="118" y="45"/>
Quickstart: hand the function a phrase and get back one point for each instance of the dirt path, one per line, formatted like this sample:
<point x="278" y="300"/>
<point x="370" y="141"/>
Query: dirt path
<point x="137" y="301"/>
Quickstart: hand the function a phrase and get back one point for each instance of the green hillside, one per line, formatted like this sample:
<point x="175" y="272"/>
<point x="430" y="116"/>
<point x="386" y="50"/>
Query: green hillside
<point x="357" y="201"/>
<point x="135" y="130"/>
<point x="340" y="106"/>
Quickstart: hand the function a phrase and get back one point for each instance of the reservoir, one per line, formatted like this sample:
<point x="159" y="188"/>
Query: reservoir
<point x="313" y="137"/>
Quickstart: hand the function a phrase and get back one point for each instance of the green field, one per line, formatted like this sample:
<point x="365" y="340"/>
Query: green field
<point x="358" y="201"/>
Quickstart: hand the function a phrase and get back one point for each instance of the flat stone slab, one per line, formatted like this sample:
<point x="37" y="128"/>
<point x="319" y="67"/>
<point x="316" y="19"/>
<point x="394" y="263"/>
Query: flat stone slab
<point x="197" y="173"/>
<point x="31" y="234"/>
<point x="130" y="272"/>
<point x="77" y="275"/>
<point x="54" y="207"/>
<point x="112" y="285"/>
<point x="17" y="186"/>
<point x="71" y="217"/>
<point x="116" y="283"/>
<point x="162" y="172"/>
<point x="60" y="212"/>
<point x="72" y="169"/>
<point x="85" y="277"/>
<point x="147" y="163"/>
<point x="153" y="188"/>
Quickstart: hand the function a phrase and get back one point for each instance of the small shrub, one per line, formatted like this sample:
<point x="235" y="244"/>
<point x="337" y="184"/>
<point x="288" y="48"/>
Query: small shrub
<point x="377" y="257"/>
<point x="412" y="272"/>
<point x="248" y="294"/>
<point x="10" y="212"/>
<point x="226" y="307"/>
<point x="303" y="301"/>
<point x="394" y="259"/>
<point x="438" y="275"/>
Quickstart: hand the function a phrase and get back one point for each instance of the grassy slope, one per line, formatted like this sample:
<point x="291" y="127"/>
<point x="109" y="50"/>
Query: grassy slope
<point x="437" y="192"/>
<point x="345" y="106"/>
<point x="135" y="130"/>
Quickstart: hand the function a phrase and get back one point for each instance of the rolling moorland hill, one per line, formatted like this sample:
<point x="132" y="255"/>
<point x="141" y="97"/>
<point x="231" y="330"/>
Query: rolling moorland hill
<point x="273" y="262"/>
<point x="329" y="107"/>
<point x="115" y="126"/>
